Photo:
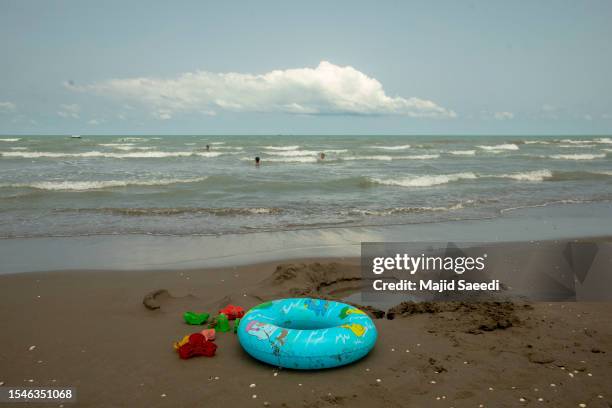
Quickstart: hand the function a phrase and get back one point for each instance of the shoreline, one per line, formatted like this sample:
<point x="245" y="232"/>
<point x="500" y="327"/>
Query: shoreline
<point x="144" y="252"/>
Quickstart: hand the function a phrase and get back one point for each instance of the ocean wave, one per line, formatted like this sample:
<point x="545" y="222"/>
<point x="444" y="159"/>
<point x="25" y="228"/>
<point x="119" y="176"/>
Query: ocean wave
<point x="99" y="184"/>
<point x="143" y="212"/>
<point x="536" y="175"/>
<point x="424" y="181"/>
<point x="115" y="144"/>
<point x="530" y="176"/>
<point x="217" y="143"/>
<point x="401" y="147"/>
<point x="577" y="156"/>
<point x="389" y="158"/>
<point x="600" y="140"/>
<point x="131" y="155"/>
<point x="583" y="146"/>
<point x="463" y="152"/>
<point x="10" y="139"/>
<point x="505" y="146"/>
<point x="377" y="157"/>
<point x="294" y="159"/>
<point x="25" y="148"/>
<point x="293" y="153"/>
<point x="208" y="154"/>
<point x="421" y="157"/>
<point x="281" y="147"/>
<point x="571" y="141"/>
<point x="401" y="210"/>
<point x="549" y="203"/>
<point x="128" y="148"/>
<point x="536" y="142"/>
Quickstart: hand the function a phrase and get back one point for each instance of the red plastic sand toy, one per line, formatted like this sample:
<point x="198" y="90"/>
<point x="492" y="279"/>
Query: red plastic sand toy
<point x="197" y="346"/>
<point x="232" y="312"/>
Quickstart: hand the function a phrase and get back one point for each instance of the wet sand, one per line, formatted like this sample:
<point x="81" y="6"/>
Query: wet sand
<point x="92" y="331"/>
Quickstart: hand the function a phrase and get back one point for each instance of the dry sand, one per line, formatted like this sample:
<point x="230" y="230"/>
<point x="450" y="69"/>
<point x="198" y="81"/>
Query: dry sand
<point x="92" y="331"/>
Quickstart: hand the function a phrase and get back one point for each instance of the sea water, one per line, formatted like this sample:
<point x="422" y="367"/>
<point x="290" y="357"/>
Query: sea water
<point x="174" y="185"/>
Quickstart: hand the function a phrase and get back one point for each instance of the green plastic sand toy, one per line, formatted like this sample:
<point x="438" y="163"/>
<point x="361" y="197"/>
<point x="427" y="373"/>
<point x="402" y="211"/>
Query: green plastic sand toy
<point x="222" y="323"/>
<point x="195" y="318"/>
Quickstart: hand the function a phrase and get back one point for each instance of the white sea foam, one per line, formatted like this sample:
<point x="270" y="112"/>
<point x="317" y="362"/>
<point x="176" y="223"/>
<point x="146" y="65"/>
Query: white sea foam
<point x="10" y="139"/>
<point x="506" y="146"/>
<point x="605" y="140"/>
<point x="536" y="142"/>
<point x="420" y="157"/>
<point x="577" y="145"/>
<point x="536" y="175"/>
<point x="434" y="180"/>
<point x="298" y="159"/>
<point x="208" y="154"/>
<point x="425" y="181"/>
<point x="402" y="210"/>
<point x="577" y="156"/>
<point x="100" y="184"/>
<point x="293" y="153"/>
<point x="115" y="144"/>
<point x="25" y="148"/>
<point x="463" y="152"/>
<point x="217" y="143"/>
<point x="131" y="155"/>
<point x="128" y="148"/>
<point x="377" y="157"/>
<point x="401" y="147"/>
<point x="281" y="147"/>
<point x="389" y="158"/>
<point x="556" y="202"/>
<point x="576" y="142"/>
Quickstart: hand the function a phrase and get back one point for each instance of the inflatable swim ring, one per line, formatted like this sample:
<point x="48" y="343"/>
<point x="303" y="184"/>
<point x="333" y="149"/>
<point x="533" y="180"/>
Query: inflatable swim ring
<point x="306" y="333"/>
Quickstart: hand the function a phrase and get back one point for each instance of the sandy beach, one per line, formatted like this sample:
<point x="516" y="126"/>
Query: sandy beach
<point x="91" y="331"/>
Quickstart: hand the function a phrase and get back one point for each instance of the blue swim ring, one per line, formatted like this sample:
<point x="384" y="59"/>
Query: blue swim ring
<point x="306" y="334"/>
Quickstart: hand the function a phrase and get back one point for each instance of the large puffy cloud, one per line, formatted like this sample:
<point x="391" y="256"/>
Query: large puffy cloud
<point x="327" y="89"/>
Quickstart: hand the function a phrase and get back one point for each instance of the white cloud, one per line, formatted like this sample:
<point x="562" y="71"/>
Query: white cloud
<point x="588" y="117"/>
<point x="503" y="115"/>
<point x="69" y="111"/>
<point x="327" y="89"/>
<point x="6" y="106"/>
<point x="94" y="122"/>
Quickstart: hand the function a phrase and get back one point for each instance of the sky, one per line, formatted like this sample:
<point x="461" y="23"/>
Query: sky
<point x="317" y="67"/>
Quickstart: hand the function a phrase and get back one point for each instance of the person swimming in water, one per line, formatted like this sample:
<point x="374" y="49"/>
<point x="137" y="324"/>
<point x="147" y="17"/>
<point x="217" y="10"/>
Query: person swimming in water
<point x="322" y="156"/>
<point x="257" y="161"/>
<point x="207" y="148"/>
